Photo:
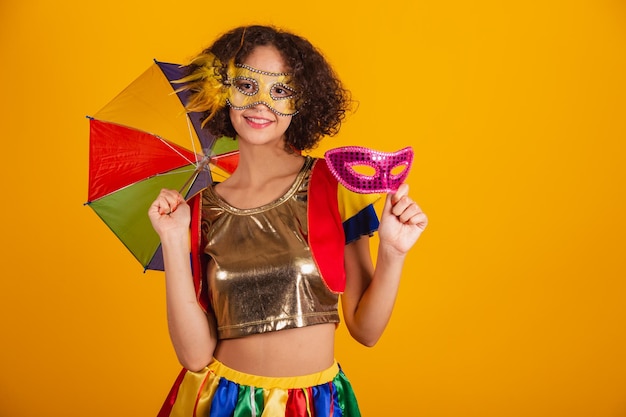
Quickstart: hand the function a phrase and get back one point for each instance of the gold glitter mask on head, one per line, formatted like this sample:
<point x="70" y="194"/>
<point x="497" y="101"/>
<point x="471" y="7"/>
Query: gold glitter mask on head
<point x="250" y="86"/>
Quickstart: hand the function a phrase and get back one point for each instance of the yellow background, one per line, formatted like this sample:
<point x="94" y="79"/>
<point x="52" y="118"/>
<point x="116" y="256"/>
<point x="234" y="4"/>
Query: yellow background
<point x="512" y="303"/>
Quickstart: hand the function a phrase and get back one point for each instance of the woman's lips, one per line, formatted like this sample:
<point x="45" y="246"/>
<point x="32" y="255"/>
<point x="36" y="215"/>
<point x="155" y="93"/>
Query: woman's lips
<point x="258" y="122"/>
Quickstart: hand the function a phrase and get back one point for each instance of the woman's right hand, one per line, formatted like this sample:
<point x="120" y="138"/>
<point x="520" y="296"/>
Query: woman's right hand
<point x="169" y="212"/>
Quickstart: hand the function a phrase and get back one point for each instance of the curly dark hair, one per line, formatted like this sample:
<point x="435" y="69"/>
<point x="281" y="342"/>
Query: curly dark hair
<point x="322" y="101"/>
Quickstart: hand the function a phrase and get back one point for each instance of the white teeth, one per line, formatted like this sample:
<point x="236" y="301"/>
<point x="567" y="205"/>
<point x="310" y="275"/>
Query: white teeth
<point x="259" y="121"/>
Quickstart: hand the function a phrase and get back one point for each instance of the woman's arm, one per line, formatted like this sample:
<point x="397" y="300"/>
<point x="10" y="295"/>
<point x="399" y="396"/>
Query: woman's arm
<point x="192" y="332"/>
<point x="370" y="292"/>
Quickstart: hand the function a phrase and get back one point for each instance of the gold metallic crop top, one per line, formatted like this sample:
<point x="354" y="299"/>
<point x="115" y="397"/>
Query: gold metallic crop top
<point x="261" y="274"/>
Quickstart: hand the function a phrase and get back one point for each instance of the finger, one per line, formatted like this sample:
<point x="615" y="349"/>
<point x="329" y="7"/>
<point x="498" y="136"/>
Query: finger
<point x="409" y="212"/>
<point x="402" y="191"/>
<point x="419" y="219"/>
<point x="401" y="205"/>
<point x="167" y="201"/>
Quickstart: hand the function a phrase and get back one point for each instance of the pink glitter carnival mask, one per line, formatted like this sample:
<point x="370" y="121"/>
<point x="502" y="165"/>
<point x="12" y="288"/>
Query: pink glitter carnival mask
<point x="341" y="162"/>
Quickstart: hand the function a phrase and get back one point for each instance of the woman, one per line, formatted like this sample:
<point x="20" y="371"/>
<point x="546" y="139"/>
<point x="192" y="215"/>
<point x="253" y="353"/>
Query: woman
<point x="274" y="268"/>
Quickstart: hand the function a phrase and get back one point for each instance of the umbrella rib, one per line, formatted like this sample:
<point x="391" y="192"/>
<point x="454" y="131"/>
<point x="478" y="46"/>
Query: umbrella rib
<point x="204" y="163"/>
<point x="160" y="174"/>
<point x="193" y="143"/>
<point x="194" y="163"/>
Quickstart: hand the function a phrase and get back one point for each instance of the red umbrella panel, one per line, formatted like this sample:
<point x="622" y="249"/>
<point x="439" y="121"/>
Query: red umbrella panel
<point x="143" y="141"/>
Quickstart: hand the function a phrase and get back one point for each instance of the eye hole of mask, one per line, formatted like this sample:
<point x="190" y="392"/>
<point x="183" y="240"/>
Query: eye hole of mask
<point x="399" y="169"/>
<point x="282" y="91"/>
<point x="247" y="86"/>
<point x="367" y="170"/>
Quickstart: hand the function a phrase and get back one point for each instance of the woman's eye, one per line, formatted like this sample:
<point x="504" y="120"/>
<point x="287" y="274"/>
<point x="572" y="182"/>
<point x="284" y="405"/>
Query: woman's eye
<point x="279" y="91"/>
<point x="246" y="86"/>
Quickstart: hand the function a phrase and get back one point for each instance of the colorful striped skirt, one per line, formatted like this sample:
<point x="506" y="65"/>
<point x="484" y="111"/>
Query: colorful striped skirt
<point x="219" y="391"/>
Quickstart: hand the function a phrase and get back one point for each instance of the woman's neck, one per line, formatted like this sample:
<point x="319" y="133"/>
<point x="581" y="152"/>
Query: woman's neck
<point x="261" y="164"/>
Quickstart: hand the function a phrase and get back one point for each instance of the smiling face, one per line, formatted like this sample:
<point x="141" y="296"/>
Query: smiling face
<point x="261" y="98"/>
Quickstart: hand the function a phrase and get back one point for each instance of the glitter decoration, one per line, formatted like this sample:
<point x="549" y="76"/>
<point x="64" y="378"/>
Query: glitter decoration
<point x="341" y="162"/>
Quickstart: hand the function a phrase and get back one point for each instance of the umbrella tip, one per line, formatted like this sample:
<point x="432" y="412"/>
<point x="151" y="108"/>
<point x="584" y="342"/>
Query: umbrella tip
<point x="89" y="117"/>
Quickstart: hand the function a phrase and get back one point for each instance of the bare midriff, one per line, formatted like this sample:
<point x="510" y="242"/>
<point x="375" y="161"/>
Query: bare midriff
<point x="292" y="352"/>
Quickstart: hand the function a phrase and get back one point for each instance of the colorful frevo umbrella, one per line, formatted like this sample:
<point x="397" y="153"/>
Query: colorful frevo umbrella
<point x="143" y="141"/>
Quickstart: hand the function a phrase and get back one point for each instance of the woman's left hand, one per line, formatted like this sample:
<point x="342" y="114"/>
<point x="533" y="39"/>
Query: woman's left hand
<point x="402" y="221"/>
